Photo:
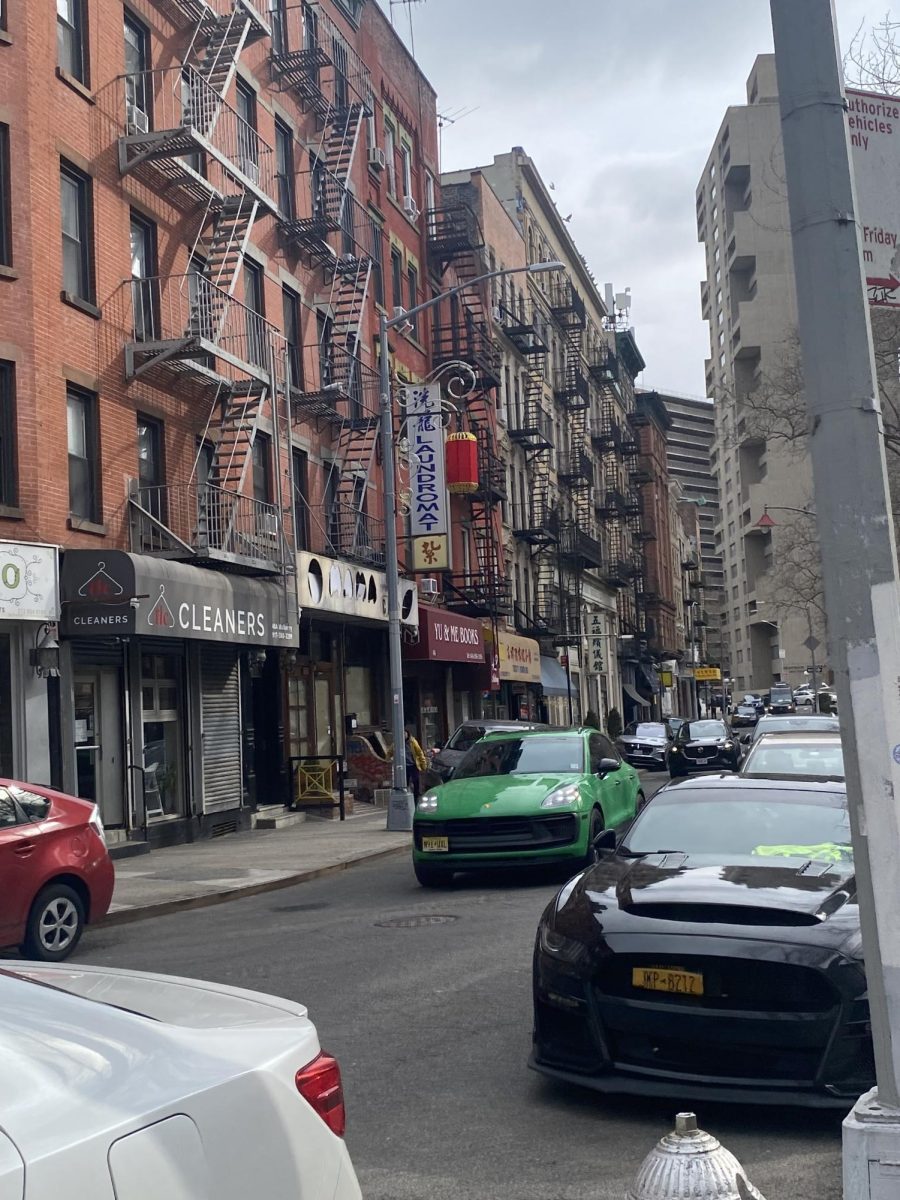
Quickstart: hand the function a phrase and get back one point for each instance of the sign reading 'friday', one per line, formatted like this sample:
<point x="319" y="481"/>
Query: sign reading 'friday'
<point x="428" y="503"/>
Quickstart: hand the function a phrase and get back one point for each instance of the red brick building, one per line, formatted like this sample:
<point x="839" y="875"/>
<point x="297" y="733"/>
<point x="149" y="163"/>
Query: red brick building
<point x="203" y="204"/>
<point x="657" y="596"/>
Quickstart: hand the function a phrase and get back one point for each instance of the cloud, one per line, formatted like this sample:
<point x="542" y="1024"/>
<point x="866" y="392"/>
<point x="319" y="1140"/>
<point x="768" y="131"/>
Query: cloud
<point x="618" y="104"/>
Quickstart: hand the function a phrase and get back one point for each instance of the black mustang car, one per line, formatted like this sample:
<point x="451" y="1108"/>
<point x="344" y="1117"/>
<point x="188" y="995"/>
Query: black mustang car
<point x="715" y="953"/>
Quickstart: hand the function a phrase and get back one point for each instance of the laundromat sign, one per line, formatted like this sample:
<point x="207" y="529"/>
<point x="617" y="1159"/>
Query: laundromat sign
<point x="109" y="593"/>
<point x="29" y="582"/>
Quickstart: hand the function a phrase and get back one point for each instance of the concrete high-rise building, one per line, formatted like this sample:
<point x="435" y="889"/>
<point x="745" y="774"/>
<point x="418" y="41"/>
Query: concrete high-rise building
<point x="769" y="607"/>
<point x="689" y="450"/>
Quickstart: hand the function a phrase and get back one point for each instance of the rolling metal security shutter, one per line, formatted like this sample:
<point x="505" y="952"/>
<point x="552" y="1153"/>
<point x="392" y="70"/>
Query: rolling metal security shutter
<point x="220" y="715"/>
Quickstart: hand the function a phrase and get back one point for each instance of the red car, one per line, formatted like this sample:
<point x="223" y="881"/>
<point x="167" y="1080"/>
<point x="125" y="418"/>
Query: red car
<point x="55" y="871"/>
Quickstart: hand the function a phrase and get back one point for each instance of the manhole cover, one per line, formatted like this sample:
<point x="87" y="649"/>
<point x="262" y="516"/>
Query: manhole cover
<point x="416" y="922"/>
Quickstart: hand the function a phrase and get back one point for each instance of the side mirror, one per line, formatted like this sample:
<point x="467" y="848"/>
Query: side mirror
<point x="605" y="840"/>
<point x="607" y="765"/>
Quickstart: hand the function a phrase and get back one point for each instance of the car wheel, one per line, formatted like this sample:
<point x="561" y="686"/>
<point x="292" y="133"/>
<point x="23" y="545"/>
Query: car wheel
<point x="595" y="828"/>
<point x="430" y="877"/>
<point x="55" y="924"/>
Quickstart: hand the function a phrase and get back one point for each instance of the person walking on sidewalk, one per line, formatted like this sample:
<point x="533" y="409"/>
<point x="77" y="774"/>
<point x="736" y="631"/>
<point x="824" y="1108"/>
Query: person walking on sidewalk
<point x="416" y="763"/>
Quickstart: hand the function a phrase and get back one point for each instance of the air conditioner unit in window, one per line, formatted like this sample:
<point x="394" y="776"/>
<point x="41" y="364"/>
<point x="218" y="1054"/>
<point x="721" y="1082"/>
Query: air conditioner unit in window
<point x="411" y="208"/>
<point x="267" y="525"/>
<point x="497" y="313"/>
<point x="136" y="120"/>
<point x="377" y="158"/>
<point x="428" y="587"/>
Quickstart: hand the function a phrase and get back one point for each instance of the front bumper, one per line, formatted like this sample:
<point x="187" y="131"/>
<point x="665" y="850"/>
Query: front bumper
<point x="655" y="758"/>
<point x="719" y="762"/>
<point x="483" y="842"/>
<point x="798" y="1034"/>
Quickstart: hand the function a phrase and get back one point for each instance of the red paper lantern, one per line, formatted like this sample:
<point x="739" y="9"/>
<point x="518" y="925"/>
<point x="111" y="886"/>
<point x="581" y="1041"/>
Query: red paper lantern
<point x="462" y="464"/>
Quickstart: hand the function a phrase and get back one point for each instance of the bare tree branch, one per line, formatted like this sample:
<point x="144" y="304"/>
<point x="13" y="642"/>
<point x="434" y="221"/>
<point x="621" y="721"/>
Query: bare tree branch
<point x="872" y="61"/>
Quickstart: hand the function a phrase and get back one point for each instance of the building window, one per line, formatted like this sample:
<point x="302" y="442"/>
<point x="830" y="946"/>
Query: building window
<point x="71" y="40"/>
<point x="406" y="164"/>
<point x="412" y="287"/>
<point x="377" y="263"/>
<point x="247" y="137"/>
<point x="137" y="64"/>
<point x="278" y="21"/>
<point x="84" y="496"/>
<point x="390" y="153"/>
<point x="143" y="278"/>
<point x="8" y="478"/>
<point x="284" y="168"/>
<point x="75" y="190"/>
<point x="290" y="313"/>
<point x="397" y="277"/>
<point x="5" y="200"/>
<point x="254" y="313"/>
<point x="301" y="498"/>
<point x="151" y="471"/>
<point x="430" y="201"/>
<point x="261" y="467"/>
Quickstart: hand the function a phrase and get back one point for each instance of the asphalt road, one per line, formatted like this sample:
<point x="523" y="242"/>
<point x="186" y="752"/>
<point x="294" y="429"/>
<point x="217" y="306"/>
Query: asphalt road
<point x="425" y="999"/>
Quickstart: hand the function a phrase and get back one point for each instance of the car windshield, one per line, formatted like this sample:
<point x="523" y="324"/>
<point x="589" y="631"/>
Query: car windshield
<point x="701" y="729"/>
<point x="466" y="737"/>
<point x="647" y="729"/>
<point x="728" y="825"/>
<point x="783" y="756"/>
<point x="745" y="709"/>
<point x="778" y="692"/>
<point x="524" y="756"/>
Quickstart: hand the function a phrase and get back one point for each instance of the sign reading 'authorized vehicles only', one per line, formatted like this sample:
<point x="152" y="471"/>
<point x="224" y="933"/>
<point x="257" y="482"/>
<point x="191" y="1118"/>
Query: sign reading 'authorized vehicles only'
<point x="110" y="593"/>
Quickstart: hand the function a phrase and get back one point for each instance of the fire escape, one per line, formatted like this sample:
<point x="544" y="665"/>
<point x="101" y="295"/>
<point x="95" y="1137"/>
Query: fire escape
<point x="579" y="550"/>
<point x="462" y="332"/>
<point x="537" y="522"/>
<point x="184" y="139"/>
<point x="326" y="226"/>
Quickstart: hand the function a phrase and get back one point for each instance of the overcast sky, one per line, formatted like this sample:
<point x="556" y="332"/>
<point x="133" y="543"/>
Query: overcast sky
<point x="618" y="105"/>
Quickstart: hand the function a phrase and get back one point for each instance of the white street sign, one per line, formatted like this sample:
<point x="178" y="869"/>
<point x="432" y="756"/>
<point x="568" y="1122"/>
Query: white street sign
<point x="29" y="582"/>
<point x="874" y="124"/>
<point x="428" y="476"/>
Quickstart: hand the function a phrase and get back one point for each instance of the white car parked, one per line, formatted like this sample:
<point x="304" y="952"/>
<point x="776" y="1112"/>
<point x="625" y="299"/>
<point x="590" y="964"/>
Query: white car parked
<point x="119" y="1085"/>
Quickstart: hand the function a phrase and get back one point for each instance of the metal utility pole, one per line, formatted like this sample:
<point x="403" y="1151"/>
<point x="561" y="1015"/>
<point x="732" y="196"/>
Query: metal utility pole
<point x="854" y="518"/>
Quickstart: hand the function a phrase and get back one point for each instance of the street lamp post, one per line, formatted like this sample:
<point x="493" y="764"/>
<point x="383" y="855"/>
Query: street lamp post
<point x="400" y="809"/>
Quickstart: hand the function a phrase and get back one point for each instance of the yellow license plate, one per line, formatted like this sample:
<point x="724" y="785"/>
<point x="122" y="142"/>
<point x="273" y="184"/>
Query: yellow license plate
<point x="661" y="979"/>
<point x="436" y="845"/>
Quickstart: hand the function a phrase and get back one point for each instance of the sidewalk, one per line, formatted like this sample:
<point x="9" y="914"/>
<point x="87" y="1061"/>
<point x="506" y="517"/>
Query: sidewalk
<point x="242" y="864"/>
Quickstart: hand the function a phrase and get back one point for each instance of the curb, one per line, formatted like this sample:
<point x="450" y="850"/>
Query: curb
<point x="165" y="907"/>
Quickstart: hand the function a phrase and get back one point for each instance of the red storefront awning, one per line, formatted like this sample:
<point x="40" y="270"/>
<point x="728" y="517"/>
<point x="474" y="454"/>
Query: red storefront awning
<point x="446" y="637"/>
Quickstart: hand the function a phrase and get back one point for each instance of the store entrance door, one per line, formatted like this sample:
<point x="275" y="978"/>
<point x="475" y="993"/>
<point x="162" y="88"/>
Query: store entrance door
<point x="98" y="742"/>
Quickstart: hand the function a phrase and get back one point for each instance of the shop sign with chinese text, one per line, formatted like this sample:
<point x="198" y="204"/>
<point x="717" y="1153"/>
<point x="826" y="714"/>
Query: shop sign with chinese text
<point x="429" y="505"/>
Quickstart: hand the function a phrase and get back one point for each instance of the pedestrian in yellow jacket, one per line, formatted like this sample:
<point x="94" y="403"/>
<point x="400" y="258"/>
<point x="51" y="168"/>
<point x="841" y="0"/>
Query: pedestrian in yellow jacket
<point x="416" y="763"/>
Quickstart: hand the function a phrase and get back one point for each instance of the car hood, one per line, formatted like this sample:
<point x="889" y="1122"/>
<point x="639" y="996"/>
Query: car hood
<point x="785" y="899"/>
<point x="632" y="739"/>
<point x="497" y="795"/>
<point x="707" y="741"/>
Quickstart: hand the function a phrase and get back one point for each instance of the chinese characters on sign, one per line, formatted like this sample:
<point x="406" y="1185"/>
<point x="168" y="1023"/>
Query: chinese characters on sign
<point x="595" y="643"/>
<point x="428" y="503"/>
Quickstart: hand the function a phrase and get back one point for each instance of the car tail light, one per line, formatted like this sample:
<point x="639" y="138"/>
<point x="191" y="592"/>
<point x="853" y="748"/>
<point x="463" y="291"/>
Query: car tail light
<point x="320" y="1085"/>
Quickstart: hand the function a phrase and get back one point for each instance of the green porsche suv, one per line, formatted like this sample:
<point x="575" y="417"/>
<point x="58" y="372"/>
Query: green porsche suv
<point x="524" y="799"/>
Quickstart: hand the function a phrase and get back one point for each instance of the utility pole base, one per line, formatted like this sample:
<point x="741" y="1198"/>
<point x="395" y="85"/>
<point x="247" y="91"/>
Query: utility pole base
<point x="871" y="1150"/>
<point x="401" y="807"/>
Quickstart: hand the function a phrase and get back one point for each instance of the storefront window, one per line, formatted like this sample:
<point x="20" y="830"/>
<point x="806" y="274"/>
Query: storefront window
<point x="6" y="733"/>
<point x="359" y="694"/>
<point x="160" y="710"/>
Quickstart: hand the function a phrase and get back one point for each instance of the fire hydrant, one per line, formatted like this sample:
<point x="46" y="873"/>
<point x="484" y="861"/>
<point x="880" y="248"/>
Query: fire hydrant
<point x="690" y="1164"/>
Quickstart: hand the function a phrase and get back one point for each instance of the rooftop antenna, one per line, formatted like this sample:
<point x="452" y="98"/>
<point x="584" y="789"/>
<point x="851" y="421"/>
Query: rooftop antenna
<point x="408" y="5"/>
<point x="450" y="118"/>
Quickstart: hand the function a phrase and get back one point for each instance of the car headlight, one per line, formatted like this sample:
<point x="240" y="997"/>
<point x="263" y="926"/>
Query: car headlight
<point x="557" y="945"/>
<point x="96" y="823"/>
<point x="674" y="750"/>
<point x="428" y="802"/>
<point x="567" y="794"/>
